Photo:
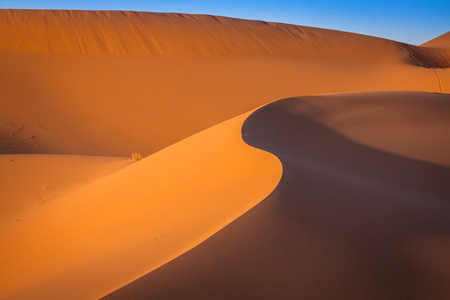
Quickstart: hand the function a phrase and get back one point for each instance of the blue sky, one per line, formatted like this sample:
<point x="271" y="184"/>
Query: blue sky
<point x="413" y="21"/>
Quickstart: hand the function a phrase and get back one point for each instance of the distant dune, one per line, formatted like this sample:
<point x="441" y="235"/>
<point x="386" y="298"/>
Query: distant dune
<point x="442" y="41"/>
<point x="138" y="33"/>
<point x="338" y="191"/>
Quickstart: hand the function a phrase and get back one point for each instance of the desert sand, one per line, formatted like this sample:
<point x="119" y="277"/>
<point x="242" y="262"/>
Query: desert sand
<point x="346" y="221"/>
<point x="338" y="191"/>
<point x="442" y="41"/>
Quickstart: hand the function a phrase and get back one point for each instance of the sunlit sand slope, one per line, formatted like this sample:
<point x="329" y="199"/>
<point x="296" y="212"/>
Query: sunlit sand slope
<point x="117" y="32"/>
<point x="99" y="238"/>
<point x="442" y="41"/>
<point x="347" y="220"/>
<point x="28" y="181"/>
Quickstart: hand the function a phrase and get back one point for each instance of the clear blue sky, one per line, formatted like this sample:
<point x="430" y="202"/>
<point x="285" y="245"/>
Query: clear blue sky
<point x="410" y="21"/>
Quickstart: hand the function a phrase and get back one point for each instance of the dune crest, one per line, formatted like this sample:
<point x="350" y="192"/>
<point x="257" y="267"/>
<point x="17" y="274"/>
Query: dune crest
<point x="163" y="34"/>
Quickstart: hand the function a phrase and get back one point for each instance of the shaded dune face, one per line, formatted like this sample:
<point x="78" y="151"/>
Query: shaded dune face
<point x="411" y="124"/>
<point x="427" y="57"/>
<point x="346" y="221"/>
<point x="375" y="204"/>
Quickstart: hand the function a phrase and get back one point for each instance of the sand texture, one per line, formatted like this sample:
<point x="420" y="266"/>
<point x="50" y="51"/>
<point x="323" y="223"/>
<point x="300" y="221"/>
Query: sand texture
<point x="340" y="190"/>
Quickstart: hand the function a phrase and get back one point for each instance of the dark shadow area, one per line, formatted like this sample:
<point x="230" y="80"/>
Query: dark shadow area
<point x="341" y="224"/>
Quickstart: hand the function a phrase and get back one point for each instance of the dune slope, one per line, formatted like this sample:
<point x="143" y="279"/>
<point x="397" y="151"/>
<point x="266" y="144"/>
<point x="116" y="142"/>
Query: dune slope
<point x="411" y="124"/>
<point x="28" y="181"/>
<point x="126" y="32"/>
<point x="103" y="105"/>
<point x="103" y="236"/>
<point x="442" y="41"/>
<point x="92" y="82"/>
<point x="347" y="221"/>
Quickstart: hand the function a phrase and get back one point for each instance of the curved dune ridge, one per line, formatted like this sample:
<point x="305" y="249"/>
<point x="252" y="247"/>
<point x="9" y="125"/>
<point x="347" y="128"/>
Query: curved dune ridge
<point x="333" y="195"/>
<point x="346" y="221"/>
<point x="116" y="229"/>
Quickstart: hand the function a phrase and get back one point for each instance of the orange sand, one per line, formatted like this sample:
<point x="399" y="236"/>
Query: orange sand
<point x="100" y="103"/>
<point x="346" y="221"/>
<point x="99" y="238"/>
<point x="361" y="211"/>
<point x="31" y="180"/>
<point x="442" y="41"/>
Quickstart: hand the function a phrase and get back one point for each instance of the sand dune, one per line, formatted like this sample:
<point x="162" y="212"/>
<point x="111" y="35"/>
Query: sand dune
<point x="346" y="221"/>
<point x="411" y="124"/>
<point x="117" y="32"/>
<point x="102" y="105"/>
<point x="32" y="180"/>
<point x="442" y="41"/>
<point x="101" y="237"/>
<point x="100" y="102"/>
<point x="361" y="211"/>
